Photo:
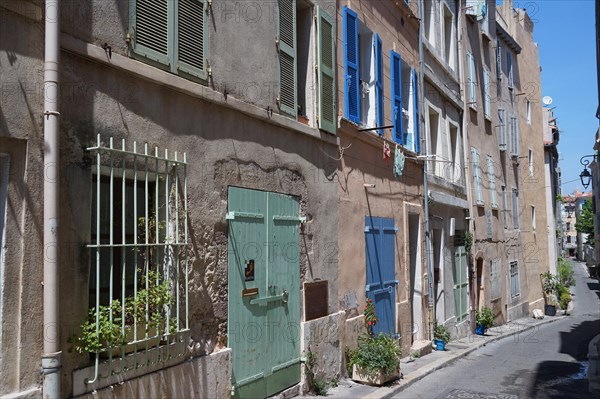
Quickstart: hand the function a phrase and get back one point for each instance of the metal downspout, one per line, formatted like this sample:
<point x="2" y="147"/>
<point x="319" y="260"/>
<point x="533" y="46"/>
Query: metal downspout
<point x="51" y="358"/>
<point x="424" y="151"/>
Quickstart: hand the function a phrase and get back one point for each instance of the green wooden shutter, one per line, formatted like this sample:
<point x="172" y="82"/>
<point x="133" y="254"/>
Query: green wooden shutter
<point x="326" y="43"/>
<point x="191" y="24"/>
<point x="287" y="57"/>
<point x="150" y="28"/>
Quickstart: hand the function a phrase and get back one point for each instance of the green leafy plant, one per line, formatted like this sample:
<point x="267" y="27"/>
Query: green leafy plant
<point x="565" y="298"/>
<point x="376" y="353"/>
<point x="415" y="355"/>
<point x="441" y="332"/>
<point x="549" y="283"/>
<point x="485" y="317"/>
<point x="105" y="333"/>
<point x="468" y="241"/>
<point x="565" y="272"/>
<point x="318" y="386"/>
<point x="585" y="222"/>
<point x="147" y="309"/>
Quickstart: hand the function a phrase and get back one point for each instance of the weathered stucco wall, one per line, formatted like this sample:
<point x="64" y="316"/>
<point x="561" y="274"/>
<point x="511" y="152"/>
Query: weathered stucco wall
<point x="21" y="99"/>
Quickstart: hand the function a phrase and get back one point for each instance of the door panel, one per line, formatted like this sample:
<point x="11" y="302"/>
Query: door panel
<point x="381" y="271"/>
<point x="263" y="325"/>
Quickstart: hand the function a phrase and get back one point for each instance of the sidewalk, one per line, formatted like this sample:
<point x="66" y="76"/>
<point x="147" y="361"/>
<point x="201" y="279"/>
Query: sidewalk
<point x="413" y="370"/>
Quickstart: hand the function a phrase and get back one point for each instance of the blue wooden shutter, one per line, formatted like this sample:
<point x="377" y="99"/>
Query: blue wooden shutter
<point x="378" y="82"/>
<point x="150" y="28"/>
<point x="326" y="42"/>
<point x="396" y="77"/>
<point x="351" y="65"/>
<point x="287" y="57"/>
<point x="191" y="54"/>
<point x="415" y="83"/>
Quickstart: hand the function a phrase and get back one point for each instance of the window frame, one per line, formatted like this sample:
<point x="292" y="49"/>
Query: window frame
<point x="471" y="81"/>
<point x="515" y="279"/>
<point x="491" y="174"/>
<point x="487" y="97"/>
<point x="475" y="159"/>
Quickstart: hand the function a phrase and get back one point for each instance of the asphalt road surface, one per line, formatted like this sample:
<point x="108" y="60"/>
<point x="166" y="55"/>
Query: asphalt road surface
<point x="549" y="362"/>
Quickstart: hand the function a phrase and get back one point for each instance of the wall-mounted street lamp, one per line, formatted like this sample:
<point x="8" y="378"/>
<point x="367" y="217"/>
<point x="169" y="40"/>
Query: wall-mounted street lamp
<point x="585" y="176"/>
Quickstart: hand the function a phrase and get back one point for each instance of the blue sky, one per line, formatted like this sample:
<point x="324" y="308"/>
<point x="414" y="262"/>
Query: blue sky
<point x="565" y="32"/>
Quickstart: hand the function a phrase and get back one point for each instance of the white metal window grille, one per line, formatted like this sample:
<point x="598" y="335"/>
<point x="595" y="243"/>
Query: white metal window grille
<point x="4" y="169"/>
<point x="139" y="243"/>
<point x="502" y="129"/>
<point x="515" y="208"/>
<point x="515" y="286"/>
<point x="487" y="101"/>
<point x="495" y="286"/>
<point x="491" y="175"/>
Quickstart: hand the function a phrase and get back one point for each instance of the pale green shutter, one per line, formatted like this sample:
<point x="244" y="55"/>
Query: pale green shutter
<point x="191" y="40"/>
<point x="149" y="21"/>
<point x="326" y="42"/>
<point x="287" y="57"/>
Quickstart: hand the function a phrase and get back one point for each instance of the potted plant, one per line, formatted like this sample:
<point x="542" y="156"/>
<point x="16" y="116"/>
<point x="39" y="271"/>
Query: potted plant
<point x="110" y="329"/>
<point x="376" y="360"/>
<point x="484" y="319"/>
<point x="549" y="286"/>
<point x="441" y="336"/>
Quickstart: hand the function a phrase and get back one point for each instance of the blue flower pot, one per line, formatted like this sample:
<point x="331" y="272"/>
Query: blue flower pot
<point x="479" y="330"/>
<point x="440" y="345"/>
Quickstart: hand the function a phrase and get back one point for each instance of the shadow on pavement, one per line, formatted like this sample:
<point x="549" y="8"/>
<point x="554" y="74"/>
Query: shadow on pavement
<point x="594" y="287"/>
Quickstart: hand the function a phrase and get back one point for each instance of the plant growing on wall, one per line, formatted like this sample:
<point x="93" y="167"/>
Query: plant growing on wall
<point x="371" y="318"/>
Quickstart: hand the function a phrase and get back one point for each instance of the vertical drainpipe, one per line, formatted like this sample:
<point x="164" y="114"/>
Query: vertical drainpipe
<point x="51" y="357"/>
<point x="424" y="150"/>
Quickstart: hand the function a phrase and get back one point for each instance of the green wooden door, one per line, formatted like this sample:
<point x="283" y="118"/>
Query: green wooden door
<point x="264" y="291"/>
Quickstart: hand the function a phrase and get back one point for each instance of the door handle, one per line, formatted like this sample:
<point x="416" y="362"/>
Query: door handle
<point x="284" y="296"/>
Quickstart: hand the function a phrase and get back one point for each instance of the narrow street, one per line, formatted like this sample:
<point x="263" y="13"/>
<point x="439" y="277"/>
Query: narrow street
<point x="547" y="362"/>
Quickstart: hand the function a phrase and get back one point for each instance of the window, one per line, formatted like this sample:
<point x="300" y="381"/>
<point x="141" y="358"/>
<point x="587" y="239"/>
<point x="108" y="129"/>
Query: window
<point x="498" y="61"/>
<point x="4" y="175"/>
<point x="514" y="136"/>
<point x="455" y="171"/>
<point x="435" y="141"/>
<point x="404" y="103"/>
<point x="515" y="285"/>
<point x="296" y="64"/>
<point x="509" y="70"/>
<point x="363" y="67"/>
<point x="491" y="174"/>
<point x="484" y="18"/>
<point x="568" y="226"/>
<point x="170" y="35"/>
<point x="504" y="207"/>
<point x="569" y="239"/>
<point x="533" y="219"/>
<point x="449" y="39"/>
<point x="515" y="208"/>
<point x="487" y="101"/>
<point x="471" y="81"/>
<point x="530" y="162"/>
<point x="502" y="129"/>
<point x="139" y="243"/>
<point x="495" y="286"/>
<point x="429" y="24"/>
<point x="477" y="177"/>
<point x="528" y="111"/>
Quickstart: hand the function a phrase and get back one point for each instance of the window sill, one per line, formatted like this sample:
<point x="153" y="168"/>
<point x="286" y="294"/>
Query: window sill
<point x="127" y="368"/>
<point x="480" y="204"/>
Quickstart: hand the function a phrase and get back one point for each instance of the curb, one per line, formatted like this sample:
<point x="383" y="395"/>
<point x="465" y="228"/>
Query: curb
<point x="385" y="392"/>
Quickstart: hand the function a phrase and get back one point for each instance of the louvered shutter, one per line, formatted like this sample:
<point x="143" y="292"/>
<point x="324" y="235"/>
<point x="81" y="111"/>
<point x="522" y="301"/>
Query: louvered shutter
<point x="492" y="179"/>
<point x="326" y="43"/>
<point x="502" y="129"/>
<point x="191" y="24"/>
<point x="378" y="82"/>
<point x="498" y="61"/>
<point x="396" y="77"/>
<point x="489" y="221"/>
<point x="150" y="25"/>
<point x="487" y="104"/>
<point x="477" y="176"/>
<point x="287" y="57"/>
<point x="509" y="69"/>
<point x="471" y="81"/>
<point x="415" y="88"/>
<point x="351" y="65"/>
